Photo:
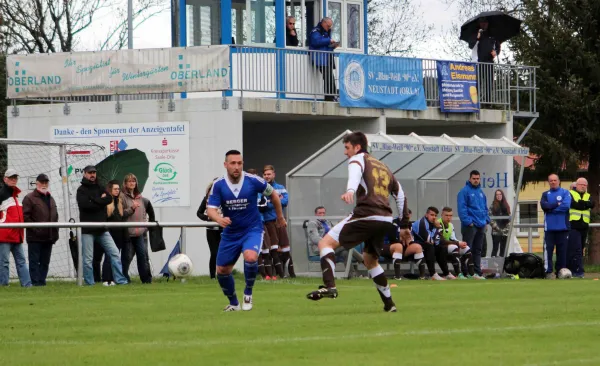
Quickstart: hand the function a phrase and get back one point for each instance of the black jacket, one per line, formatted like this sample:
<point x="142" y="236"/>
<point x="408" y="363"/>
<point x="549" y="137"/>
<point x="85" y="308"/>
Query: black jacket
<point x="485" y="47"/>
<point x="119" y="234"/>
<point x="38" y="207"/>
<point x="203" y="216"/>
<point x="291" y="40"/>
<point x="92" y="207"/>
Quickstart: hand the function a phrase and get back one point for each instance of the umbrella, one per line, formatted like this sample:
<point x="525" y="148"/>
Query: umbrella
<point x="501" y="26"/>
<point x="122" y="163"/>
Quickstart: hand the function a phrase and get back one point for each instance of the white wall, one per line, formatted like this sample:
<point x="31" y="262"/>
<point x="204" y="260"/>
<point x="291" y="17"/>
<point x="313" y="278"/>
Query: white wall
<point x="213" y="131"/>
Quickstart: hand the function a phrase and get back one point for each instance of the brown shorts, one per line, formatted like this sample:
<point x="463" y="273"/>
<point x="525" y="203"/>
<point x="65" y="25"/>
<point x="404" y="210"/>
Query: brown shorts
<point x="266" y="244"/>
<point x="371" y="232"/>
<point x="277" y="235"/>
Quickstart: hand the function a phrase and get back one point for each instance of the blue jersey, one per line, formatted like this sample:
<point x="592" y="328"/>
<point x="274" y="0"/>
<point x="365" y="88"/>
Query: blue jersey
<point x="239" y="202"/>
<point x="269" y="214"/>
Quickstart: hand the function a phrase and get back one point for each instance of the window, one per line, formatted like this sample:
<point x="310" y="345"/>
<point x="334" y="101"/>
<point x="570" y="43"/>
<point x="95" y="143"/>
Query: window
<point x="307" y="15"/>
<point x="528" y="214"/>
<point x="263" y="21"/>
<point x="347" y="20"/>
<point x="203" y="22"/>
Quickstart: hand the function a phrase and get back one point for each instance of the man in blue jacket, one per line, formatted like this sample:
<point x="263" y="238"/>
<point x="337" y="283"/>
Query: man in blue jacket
<point x="280" y="243"/>
<point x="555" y="203"/>
<point x="320" y="40"/>
<point x="474" y="217"/>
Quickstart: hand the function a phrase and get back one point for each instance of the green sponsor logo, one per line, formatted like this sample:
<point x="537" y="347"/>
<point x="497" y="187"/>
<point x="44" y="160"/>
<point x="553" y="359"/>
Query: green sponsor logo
<point x="165" y="171"/>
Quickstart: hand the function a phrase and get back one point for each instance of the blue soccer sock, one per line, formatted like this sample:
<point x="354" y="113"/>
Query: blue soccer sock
<point x="250" y="271"/>
<point x="228" y="286"/>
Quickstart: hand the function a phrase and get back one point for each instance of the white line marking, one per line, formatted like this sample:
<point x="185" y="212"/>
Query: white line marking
<point x="580" y="361"/>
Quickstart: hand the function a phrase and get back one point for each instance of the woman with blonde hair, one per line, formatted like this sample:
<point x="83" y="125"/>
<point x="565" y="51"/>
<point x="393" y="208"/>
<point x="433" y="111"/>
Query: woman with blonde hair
<point x="114" y="213"/>
<point x="500" y="227"/>
<point x="213" y="234"/>
<point x="136" y="209"/>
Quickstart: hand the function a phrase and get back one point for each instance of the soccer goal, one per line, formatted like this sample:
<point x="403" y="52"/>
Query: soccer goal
<point x="63" y="163"/>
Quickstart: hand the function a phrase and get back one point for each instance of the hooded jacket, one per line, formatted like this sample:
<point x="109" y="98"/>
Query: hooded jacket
<point x="139" y="214"/>
<point x="11" y="211"/>
<point x="472" y="206"/>
<point x="92" y="206"/>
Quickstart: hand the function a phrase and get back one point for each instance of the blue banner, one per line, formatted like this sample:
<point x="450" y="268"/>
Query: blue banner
<point x="458" y="86"/>
<point x="381" y="82"/>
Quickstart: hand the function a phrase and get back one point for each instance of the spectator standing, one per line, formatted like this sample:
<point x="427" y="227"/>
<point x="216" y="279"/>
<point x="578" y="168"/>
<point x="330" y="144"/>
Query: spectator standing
<point x="555" y="203"/>
<point x="320" y="40"/>
<point x="291" y="35"/>
<point x="136" y="209"/>
<point x="40" y="206"/>
<point x="120" y="235"/>
<point x="11" y="240"/>
<point x="485" y="49"/>
<point x="500" y="227"/>
<point x="213" y="234"/>
<point x="92" y="200"/>
<point x="579" y="217"/>
<point x="474" y="217"/>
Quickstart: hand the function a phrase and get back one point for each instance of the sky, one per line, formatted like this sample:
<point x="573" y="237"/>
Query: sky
<point x="156" y="32"/>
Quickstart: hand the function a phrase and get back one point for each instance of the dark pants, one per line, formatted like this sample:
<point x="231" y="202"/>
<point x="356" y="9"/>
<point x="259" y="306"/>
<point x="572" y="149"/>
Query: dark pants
<point x="328" y="80"/>
<point x="498" y="242"/>
<point x="137" y="247"/>
<point x="429" y="253"/>
<point x="441" y="256"/>
<point x="574" y="253"/>
<point x="560" y="240"/>
<point x="39" y="262"/>
<point x="474" y="237"/>
<point x="97" y="262"/>
<point x="214" y="238"/>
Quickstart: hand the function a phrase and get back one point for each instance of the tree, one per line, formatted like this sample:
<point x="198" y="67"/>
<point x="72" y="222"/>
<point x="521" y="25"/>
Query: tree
<point x="396" y="27"/>
<point x="32" y="26"/>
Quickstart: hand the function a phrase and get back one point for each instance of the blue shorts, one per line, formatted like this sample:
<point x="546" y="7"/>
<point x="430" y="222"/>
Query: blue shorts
<point x="230" y="249"/>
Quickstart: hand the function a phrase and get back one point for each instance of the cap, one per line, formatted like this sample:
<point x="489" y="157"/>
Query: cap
<point x="11" y="173"/>
<point x="42" y="178"/>
<point x="89" y="169"/>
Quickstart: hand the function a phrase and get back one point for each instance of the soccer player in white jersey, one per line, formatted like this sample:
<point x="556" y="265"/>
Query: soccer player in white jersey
<point x="237" y="195"/>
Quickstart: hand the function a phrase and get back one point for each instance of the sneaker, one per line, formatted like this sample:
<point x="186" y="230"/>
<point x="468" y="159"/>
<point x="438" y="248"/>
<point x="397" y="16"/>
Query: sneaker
<point x="108" y="284"/>
<point x="247" y="303"/>
<point x="549" y="276"/>
<point x="391" y="309"/>
<point x="398" y="278"/>
<point x="461" y="276"/>
<point x="478" y="277"/>
<point x="321" y="293"/>
<point x="450" y="276"/>
<point x="437" y="277"/>
<point x="230" y="307"/>
<point x="469" y="277"/>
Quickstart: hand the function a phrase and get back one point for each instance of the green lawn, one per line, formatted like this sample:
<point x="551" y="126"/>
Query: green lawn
<point x="502" y="322"/>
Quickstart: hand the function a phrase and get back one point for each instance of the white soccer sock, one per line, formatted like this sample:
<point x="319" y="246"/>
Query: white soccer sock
<point x="397" y="256"/>
<point x="323" y="253"/>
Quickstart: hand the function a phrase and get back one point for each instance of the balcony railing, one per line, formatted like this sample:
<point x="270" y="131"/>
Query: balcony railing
<point x="290" y="73"/>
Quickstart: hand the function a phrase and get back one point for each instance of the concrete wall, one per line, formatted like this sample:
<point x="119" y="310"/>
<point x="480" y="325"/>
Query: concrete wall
<point x="213" y="131"/>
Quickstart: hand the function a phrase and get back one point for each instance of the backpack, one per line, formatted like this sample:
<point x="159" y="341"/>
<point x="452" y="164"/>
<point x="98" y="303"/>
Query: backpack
<point x="526" y="265"/>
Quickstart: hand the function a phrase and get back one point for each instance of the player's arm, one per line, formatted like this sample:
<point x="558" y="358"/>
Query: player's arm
<point x="398" y="194"/>
<point x="355" y="172"/>
<point x="212" y="208"/>
<point x="277" y="204"/>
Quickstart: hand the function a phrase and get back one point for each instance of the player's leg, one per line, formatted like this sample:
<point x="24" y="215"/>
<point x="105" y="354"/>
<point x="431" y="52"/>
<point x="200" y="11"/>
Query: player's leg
<point x="266" y="256"/>
<point x="250" y="248"/>
<point x="396" y="250"/>
<point x="441" y="256"/>
<point x="286" y="254"/>
<point x="227" y="255"/>
<point x="429" y="252"/>
<point x="415" y="251"/>
<point x="454" y="258"/>
<point x="274" y="249"/>
<point x="373" y="247"/>
<point x="261" y="266"/>
<point x="466" y="263"/>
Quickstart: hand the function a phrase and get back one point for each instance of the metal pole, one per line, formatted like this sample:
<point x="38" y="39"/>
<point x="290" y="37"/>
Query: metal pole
<point x="515" y="205"/>
<point x="130" y="24"/>
<point x="79" y="258"/>
<point x="65" y="189"/>
<point x="530" y="240"/>
<point x="182" y="245"/>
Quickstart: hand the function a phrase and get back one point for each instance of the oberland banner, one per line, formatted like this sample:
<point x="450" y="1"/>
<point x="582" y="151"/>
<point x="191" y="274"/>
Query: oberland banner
<point x="118" y="72"/>
<point x="458" y="86"/>
<point x="381" y="82"/>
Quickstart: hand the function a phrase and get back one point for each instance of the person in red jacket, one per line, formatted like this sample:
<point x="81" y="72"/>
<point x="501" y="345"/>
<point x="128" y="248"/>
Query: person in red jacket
<point x="11" y="240"/>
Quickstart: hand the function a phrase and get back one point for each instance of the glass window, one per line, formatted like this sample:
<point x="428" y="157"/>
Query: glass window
<point x="335" y="13"/>
<point x="353" y="28"/>
<point x="203" y="22"/>
<point x="528" y="214"/>
<point x="238" y="22"/>
<point x="263" y="21"/>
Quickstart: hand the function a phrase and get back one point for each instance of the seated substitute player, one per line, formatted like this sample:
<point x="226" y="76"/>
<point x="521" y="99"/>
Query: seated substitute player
<point x="457" y="251"/>
<point x="237" y="195"/>
<point x="401" y="246"/>
<point x="426" y="233"/>
<point x="373" y="183"/>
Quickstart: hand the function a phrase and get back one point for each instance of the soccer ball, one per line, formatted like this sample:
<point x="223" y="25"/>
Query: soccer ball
<point x="564" y="274"/>
<point x="181" y="265"/>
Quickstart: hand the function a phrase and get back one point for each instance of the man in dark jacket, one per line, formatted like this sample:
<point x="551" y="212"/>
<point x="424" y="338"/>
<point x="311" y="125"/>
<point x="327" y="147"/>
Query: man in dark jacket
<point x="11" y="240"/>
<point x="579" y="217"/>
<point x="320" y="40"/>
<point x="488" y="48"/>
<point x="39" y="206"/>
<point x="92" y="200"/>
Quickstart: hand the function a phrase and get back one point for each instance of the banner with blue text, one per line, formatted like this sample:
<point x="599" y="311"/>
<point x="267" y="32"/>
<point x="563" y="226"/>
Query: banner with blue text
<point x="458" y="86"/>
<point x="381" y="82"/>
<point x="168" y="70"/>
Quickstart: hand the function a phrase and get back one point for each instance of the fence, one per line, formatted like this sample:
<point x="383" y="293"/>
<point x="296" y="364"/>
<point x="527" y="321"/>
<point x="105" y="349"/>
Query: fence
<point x="79" y="225"/>
<point x="531" y="227"/>
<point x="290" y="73"/>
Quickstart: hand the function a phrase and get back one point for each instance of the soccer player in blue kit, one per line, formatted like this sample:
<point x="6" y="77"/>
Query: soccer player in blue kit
<point x="236" y="193"/>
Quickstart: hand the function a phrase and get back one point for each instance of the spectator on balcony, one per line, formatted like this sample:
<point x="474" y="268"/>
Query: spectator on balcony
<point x="322" y="58"/>
<point x="39" y="206"/>
<point x="11" y="240"/>
<point x="291" y="35"/>
<point x="485" y="50"/>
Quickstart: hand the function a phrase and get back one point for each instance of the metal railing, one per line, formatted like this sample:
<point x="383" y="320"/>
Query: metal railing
<point x="531" y="227"/>
<point x="296" y="73"/>
<point x="79" y="225"/>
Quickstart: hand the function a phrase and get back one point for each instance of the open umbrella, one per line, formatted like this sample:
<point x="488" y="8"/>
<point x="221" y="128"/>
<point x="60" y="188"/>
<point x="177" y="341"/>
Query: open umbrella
<point x="122" y="163"/>
<point x="501" y="26"/>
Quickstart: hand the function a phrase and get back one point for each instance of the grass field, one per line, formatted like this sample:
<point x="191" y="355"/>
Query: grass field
<point x="502" y="322"/>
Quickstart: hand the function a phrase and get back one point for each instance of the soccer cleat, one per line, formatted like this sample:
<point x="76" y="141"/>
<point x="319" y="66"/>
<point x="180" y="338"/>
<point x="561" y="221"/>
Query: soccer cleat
<point x="398" y="278"/>
<point x="247" y="303"/>
<point x="390" y="309"/>
<point x="437" y="277"/>
<point x="321" y="293"/>
<point x="268" y="278"/>
<point x="230" y="307"/>
<point x="450" y="276"/>
<point x="462" y="277"/>
<point x="274" y="278"/>
<point x="478" y="277"/>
